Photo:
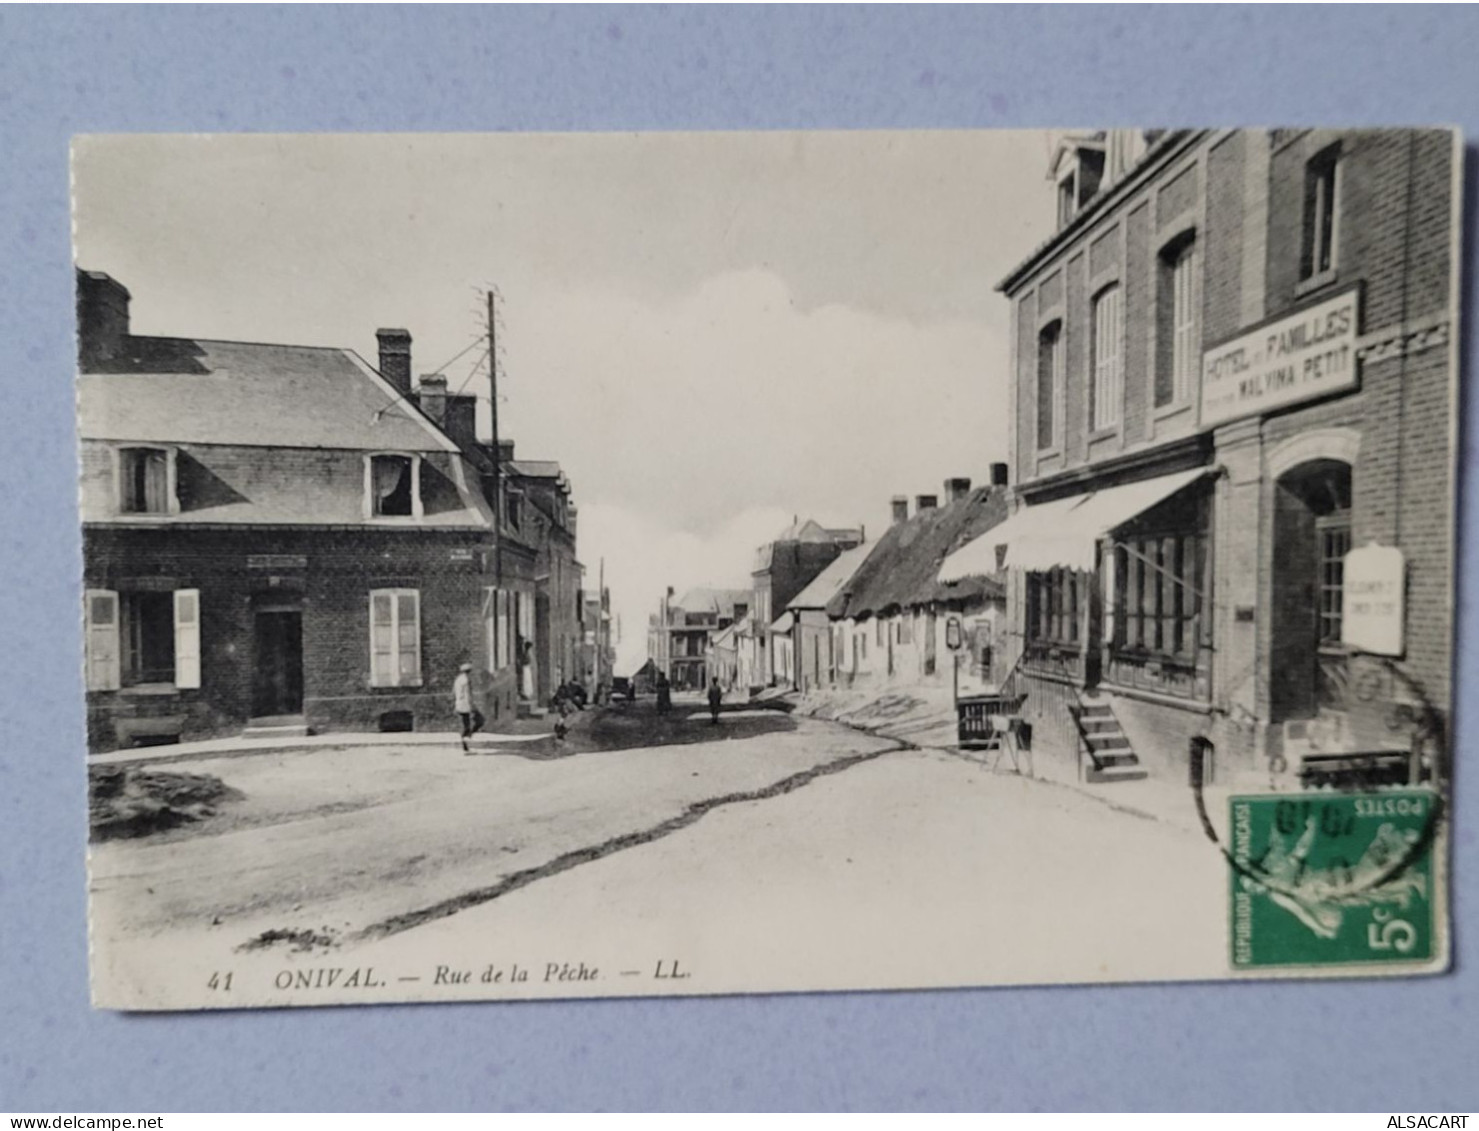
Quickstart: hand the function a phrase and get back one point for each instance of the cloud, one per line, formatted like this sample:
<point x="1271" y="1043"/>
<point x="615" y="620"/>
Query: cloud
<point x="733" y="397"/>
<point x="695" y="428"/>
<point x="644" y="556"/>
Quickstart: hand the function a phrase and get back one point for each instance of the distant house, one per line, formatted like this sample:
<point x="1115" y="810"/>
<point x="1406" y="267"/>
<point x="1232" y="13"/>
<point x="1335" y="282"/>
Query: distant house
<point x="280" y="537"/>
<point x="684" y="631"/>
<point x="812" y="642"/>
<point x="783" y="567"/>
<point x="890" y="618"/>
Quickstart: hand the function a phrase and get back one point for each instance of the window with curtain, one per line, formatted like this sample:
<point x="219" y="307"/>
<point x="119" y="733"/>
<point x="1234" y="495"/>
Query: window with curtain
<point x="1108" y="383"/>
<point x="144" y="481"/>
<point x="392" y="486"/>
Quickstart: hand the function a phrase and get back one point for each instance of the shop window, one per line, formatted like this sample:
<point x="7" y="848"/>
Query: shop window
<point x="1049" y="383"/>
<point x="392" y="486"/>
<point x="1053" y="616"/>
<point x="1108" y="383"/>
<point x="1321" y="213"/>
<point x="395" y="638"/>
<point x="1178" y="344"/>
<point x="146" y="481"/>
<point x="1158" y="595"/>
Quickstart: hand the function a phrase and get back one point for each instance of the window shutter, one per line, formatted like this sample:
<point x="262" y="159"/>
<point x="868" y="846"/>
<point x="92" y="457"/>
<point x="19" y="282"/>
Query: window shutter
<point x="187" y="638"/>
<point x="408" y="636"/>
<point x="100" y="639"/>
<point x="490" y="627"/>
<point x="382" y="627"/>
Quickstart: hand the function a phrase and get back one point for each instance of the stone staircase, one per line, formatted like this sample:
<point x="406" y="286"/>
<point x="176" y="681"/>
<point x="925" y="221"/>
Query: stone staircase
<point x="1105" y="747"/>
<point x="276" y="726"/>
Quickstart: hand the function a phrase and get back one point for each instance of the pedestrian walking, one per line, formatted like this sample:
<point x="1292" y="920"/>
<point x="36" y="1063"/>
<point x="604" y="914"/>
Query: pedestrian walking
<point x="472" y="719"/>
<point x="664" y="694"/>
<point x="715" y="697"/>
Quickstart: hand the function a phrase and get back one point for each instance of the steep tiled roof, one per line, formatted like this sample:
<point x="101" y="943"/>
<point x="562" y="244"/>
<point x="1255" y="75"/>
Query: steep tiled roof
<point x="830" y="581"/>
<point x="178" y="390"/>
<point x="902" y="567"/>
<point x="705" y="600"/>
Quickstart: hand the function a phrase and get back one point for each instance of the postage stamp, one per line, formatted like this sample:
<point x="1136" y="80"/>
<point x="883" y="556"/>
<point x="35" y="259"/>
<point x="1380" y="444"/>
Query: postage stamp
<point x="1333" y="879"/>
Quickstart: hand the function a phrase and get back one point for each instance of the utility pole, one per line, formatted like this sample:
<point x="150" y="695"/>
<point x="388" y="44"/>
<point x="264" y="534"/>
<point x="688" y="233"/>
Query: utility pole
<point x="497" y="450"/>
<point x="601" y="630"/>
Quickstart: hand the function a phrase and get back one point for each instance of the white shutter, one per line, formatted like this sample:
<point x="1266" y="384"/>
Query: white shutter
<point x="100" y="639"/>
<point x="490" y="627"/>
<point x="382" y="636"/>
<point x="408" y="637"/>
<point x="187" y="638"/>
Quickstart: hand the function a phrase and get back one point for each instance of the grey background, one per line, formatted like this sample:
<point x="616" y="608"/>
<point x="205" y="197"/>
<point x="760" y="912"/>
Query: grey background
<point x="1371" y="1046"/>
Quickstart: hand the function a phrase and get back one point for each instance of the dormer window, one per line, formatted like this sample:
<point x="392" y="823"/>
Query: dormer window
<point x="393" y="486"/>
<point x="514" y="508"/>
<point x="146" y="481"/>
<point x="1080" y="172"/>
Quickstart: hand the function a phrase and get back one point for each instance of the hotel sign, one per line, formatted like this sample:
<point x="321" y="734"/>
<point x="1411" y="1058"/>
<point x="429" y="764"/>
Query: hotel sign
<point x="1297" y="358"/>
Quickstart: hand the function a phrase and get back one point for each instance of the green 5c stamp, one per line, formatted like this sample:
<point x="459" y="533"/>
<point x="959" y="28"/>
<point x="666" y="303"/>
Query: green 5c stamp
<point x="1332" y="879"/>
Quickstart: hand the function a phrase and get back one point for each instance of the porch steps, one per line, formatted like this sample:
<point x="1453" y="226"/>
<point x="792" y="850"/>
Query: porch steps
<point x="1110" y="756"/>
<point x="276" y="726"/>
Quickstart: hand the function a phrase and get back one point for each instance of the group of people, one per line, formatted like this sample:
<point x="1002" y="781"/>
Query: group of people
<point x="568" y="698"/>
<point x="665" y="698"/>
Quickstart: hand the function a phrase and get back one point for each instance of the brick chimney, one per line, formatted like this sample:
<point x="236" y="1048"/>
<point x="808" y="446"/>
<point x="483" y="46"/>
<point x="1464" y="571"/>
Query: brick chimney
<point x="924" y="503"/>
<point x="998" y="475"/>
<point x="431" y="395"/>
<point x="395" y="358"/>
<point x="461" y="422"/>
<point x="956" y="489"/>
<point x="505" y="451"/>
<point x="102" y="319"/>
<point x="899" y="504"/>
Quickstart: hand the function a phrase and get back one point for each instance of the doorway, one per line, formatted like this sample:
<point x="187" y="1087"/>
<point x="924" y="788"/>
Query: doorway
<point x="278" y="683"/>
<point x="1312" y="533"/>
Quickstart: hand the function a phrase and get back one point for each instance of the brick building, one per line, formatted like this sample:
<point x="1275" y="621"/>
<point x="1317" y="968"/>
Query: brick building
<point x="784" y="566"/>
<point x="282" y="538"/>
<point x="681" y="635"/>
<point x="540" y="509"/>
<point x="1233" y="365"/>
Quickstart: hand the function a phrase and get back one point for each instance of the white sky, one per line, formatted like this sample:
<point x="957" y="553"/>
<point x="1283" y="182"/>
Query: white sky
<point x="711" y="332"/>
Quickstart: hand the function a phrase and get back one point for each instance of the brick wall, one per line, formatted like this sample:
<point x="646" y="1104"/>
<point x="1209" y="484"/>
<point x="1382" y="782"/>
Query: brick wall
<point x="342" y="566"/>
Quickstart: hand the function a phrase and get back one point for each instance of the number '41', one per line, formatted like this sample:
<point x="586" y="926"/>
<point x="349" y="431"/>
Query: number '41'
<point x="220" y="981"/>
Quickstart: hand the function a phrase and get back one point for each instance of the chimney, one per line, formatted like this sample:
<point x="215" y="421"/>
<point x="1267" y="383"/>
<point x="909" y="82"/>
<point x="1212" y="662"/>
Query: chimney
<point x="431" y="395"/>
<point x="461" y="422"/>
<point x="924" y="503"/>
<point x="505" y="451"/>
<point x="395" y="358"/>
<point x="102" y="319"/>
<point x="998" y="475"/>
<point x="900" y="505"/>
<point x="957" y="489"/>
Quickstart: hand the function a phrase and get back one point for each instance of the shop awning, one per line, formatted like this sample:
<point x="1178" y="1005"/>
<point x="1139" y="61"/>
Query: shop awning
<point x="1064" y="533"/>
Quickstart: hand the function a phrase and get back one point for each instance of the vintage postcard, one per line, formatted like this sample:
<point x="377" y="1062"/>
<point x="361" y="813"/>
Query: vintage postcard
<point x="533" y="566"/>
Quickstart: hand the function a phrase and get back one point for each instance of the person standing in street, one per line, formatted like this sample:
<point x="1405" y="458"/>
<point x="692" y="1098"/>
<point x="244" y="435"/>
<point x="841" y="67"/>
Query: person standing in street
<point x="715" y="697"/>
<point x="664" y="694"/>
<point x="470" y="716"/>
